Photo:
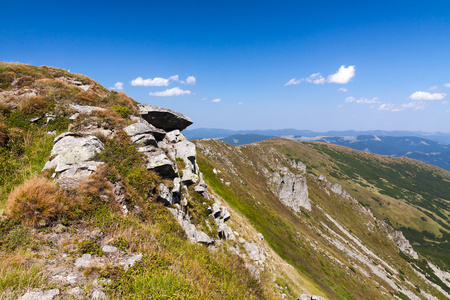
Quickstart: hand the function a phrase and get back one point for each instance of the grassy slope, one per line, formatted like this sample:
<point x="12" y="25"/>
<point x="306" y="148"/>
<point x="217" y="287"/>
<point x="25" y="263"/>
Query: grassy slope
<point x="286" y="231"/>
<point x="411" y="195"/>
<point x="171" y="268"/>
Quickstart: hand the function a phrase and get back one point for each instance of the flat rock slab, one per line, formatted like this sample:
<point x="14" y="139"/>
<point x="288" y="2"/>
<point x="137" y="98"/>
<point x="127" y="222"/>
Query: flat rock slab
<point x="164" y="118"/>
<point x="145" y="128"/>
<point x="41" y="295"/>
<point x="85" y="109"/>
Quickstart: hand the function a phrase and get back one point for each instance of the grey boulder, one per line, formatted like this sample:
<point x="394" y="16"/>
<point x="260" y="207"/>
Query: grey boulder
<point x="163" y="118"/>
<point x="144" y="128"/>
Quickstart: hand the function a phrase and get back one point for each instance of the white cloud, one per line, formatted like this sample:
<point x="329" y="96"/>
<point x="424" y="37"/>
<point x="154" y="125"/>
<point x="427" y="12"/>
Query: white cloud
<point x="362" y="100"/>
<point x="240" y="103"/>
<point x="340" y="106"/>
<point x="425" y="96"/>
<point x="447" y="85"/>
<point x="414" y="105"/>
<point x="174" y="78"/>
<point x="315" y="78"/>
<point x="157" y="81"/>
<point x="445" y="102"/>
<point x="216" y="100"/>
<point x="176" y="91"/>
<point x="294" y="81"/>
<point x="343" y="75"/>
<point x="203" y="99"/>
<point x="389" y="107"/>
<point x="434" y="88"/>
<point x="118" y="86"/>
<point x="191" y="80"/>
<point x="342" y="90"/>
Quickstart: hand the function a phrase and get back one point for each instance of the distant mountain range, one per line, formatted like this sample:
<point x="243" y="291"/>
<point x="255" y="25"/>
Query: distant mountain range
<point x="213" y="133"/>
<point x="431" y="148"/>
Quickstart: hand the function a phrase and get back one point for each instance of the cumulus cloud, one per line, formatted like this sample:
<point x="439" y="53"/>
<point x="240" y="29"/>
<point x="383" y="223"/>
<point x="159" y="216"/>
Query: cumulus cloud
<point x="118" y="86"/>
<point x="362" y="100"/>
<point x="216" y="100"/>
<point x="191" y="80"/>
<point x="294" y="81"/>
<point x="342" y="90"/>
<point x="426" y="96"/>
<point x="343" y="75"/>
<point x="447" y="85"/>
<point x="176" y="91"/>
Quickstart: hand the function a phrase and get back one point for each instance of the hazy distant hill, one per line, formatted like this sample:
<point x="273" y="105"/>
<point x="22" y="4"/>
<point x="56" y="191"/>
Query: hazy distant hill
<point x="245" y="138"/>
<point x="420" y="148"/>
<point x="201" y="133"/>
<point x="425" y="150"/>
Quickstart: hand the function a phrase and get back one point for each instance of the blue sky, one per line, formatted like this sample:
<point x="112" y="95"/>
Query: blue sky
<point x="355" y="64"/>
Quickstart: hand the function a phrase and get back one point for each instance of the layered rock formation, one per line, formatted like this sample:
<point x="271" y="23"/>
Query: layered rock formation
<point x="157" y="134"/>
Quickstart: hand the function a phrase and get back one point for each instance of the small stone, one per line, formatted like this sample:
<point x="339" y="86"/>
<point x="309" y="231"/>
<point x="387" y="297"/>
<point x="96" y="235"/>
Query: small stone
<point x="76" y="291"/>
<point x="84" y="261"/>
<point x="130" y="261"/>
<point x="98" y="295"/>
<point x="108" y="249"/>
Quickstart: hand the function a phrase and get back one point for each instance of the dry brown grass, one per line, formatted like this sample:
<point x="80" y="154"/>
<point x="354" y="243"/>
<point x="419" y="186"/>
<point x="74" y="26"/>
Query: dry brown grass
<point x="35" y="202"/>
<point x="36" y="104"/>
<point x="3" y="135"/>
<point x="128" y="102"/>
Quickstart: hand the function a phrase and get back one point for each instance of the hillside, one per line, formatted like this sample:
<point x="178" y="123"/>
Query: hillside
<point x="102" y="197"/>
<point x="328" y="210"/>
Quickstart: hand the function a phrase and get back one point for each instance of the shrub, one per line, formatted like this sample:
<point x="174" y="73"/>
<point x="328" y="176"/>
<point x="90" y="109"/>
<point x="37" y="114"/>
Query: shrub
<point x="35" y="202"/>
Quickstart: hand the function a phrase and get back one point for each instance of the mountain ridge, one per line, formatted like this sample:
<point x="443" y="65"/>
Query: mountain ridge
<point x="104" y="197"/>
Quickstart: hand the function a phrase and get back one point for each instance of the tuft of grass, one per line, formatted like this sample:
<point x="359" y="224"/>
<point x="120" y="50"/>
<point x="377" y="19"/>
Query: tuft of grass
<point x="16" y="277"/>
<point x="36" y="202"/>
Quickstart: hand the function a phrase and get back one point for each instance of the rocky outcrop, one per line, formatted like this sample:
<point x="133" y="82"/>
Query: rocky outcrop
<point x="398" y="238"/>
<point x="157" y="134"/>
<point x="293" y="192"/>
<point x="73" y="155"/>
<point x="164" y="118"/>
